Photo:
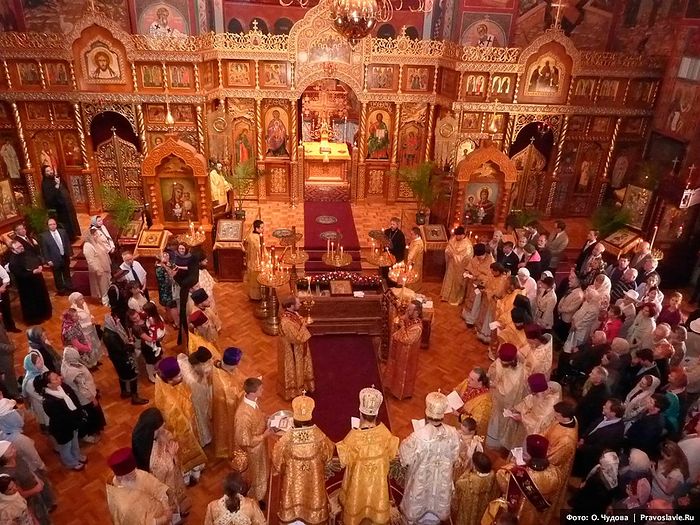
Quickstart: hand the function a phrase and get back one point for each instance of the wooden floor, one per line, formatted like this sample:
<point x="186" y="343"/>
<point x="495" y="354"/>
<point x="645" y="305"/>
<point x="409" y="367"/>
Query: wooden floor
<point x="81" y="495"/>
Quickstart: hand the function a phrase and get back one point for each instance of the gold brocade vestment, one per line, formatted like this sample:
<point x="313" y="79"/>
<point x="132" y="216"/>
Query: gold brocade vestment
<point x="144" y="501"/>
<point x="175" y="404"/>
<point x="249" y="426"/>
<point x="227" y="390"/>
<point x="415" y="256"/>
<point x="366" y="455"/>
<point x="402" y="364"/>
<point x="473" y="492"/>
<point x="548" y="483"/>
<point x="477" y="405"/>
<point x="457" y="255"/>
<point x="295" y="370"/>
<point x="300" y="456"/>
<point x="563" y="440"/>
<point x="252" y="248"/>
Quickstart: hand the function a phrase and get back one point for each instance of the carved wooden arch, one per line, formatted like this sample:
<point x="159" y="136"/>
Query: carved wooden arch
<point x="551" y="35"/>
<point x="468" y="166"/>
<point x="319" y="74"/>
<point x="92" y="19"/>
<point x="193" y="160"/>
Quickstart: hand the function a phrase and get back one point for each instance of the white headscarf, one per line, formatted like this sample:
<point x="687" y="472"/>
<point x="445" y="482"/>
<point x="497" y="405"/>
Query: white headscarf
<point x="608" y="465"/>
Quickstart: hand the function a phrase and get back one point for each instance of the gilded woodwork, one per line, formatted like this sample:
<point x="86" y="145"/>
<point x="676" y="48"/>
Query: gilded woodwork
<point x="119" y="167"/>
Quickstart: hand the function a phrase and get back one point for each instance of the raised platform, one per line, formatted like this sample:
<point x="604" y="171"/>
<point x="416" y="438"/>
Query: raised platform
<point x="330" y="192"/>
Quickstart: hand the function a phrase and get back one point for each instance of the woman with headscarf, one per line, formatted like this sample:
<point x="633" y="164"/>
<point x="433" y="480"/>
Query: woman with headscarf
<point x="76" y="300"/>
<point x="78" y="377"/>
<point x="120" y="350"/>
<point x="638" y="494"/>
<point x="603" y="286"/>
<point x="155" y="450"/>
<point x="39" y="341"/>
<point x="165" y="270"/>
<point x="636" y="400"/>
<point x="33" y="367"/>
<point x="72" y="335"/>
<point x="597" y="491"/>
<point x="13" y="507"/>
<point x="638" y="467"/>
<point x="12" y="430"/>
<point x="96" y="251"/>
<point x="98" y="223"/>
<point x="641" y="332"/>
<point x="584" y="321"/>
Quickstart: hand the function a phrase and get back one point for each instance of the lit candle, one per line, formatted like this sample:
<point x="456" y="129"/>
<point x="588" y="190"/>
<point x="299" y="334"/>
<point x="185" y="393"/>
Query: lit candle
<point x="470" y="234"/>
<point x="341" y="252"/>
<point x="328" y="246"/>
<point x="332" y="248"/>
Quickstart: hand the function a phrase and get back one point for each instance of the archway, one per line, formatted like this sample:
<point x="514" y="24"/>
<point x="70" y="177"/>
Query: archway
<point x="117" y="154"/>
<point x="334" y="102"/>
<point x="531" y="151"/>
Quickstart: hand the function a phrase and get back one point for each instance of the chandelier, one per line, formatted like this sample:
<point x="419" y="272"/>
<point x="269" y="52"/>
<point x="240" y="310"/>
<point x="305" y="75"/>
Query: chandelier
<point x="355" y="19"/>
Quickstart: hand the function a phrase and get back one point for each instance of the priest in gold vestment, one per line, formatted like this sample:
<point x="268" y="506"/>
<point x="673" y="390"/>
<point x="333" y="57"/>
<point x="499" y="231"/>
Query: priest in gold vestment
<point x="563" y="439"/>
<point x="529" y="489"/>
<point x="474" y="490"/>
<point x="135" y="497"/>
<point x="476" y="395"/>
<point x="366" y="453"/>
<point x="250" y="433"/>
<point x="295" y="370"/>
<point x="227" y="391"/>
<point x="300" y="457"/>
<point x="477" y="273"/>
<point x="507" y="380"/>
<point x="172" y="398"/>
<point x="402" y="364"/>
<point x="416" y="249"/>
<point x="457" y="254"/>
<point x="219" y="185"/>
<point x="252" y="246"/>
<point x="535" y="412"/>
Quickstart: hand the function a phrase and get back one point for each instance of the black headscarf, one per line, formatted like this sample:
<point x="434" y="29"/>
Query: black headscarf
<point x="143" y="434"/>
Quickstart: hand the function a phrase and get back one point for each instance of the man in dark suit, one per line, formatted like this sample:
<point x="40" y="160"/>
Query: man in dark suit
<point x="648" y="269"/>
<point x="605" y="433"/>
<point x="27" y="241"/>
<point x="591" y="241"/>
<point x="56" y="250"/>
<point x="509" y="259"/>
<point x="645" y="433"/>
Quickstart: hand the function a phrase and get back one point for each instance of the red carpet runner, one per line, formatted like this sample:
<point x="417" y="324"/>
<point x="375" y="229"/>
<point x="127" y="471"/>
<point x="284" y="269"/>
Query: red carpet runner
<point x="334" y="216"/>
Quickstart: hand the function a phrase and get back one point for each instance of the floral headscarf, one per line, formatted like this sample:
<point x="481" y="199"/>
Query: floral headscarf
<point x="31" y="370"/>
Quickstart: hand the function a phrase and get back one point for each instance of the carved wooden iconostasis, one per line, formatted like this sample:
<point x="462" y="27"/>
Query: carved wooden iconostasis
<point x="235" y="97"/>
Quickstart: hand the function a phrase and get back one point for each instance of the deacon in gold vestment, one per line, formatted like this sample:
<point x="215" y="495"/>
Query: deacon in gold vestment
<point x="219" y="185"/>
<point x="295" y="370"/>
<point x="474" y="490"/>
<point x="507" y="380"/>
<point x="252" y="246"/>
<point x="457" y="254"/>
<point x="478" y="273"/>
<point x="300" y="458"/>
<point x="496" y="287"/>
<point x="250" y="432"/>
<point x="416" y="249"/>
<point x="546" y="481"/>
<point x="172" y="398"/>
<point x="227" y="392"/>
<point x="135" y="497"/>
<point x="366" y="453"/>
<point x="203" y="319"/>
<point x="475" y="394"/>
<point x="563" y="438"/>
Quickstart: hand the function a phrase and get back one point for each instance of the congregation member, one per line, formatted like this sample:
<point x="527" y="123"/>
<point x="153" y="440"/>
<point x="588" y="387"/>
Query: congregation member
<point x="430" y="454"/>
<point x="27" y="270"/>
<point x="27" y="240"/>
<point x="166" y="288"/>
<point x="57" y="197"/>
<point x="640" y="255"/>
<point x="495" y="245"/>
<point x="5" y="302"/>
<point x="135" y="272"/>
<point x="402" y="364"/>
<point x="120" y="350"/>
<point x="295" y="369"/>
<point x="76" y="375"/>
<point x="252" y="246"/>
<point x="227" y="392"/>
<point x="528" y="284"/>
<point x="13" y="507"/>
<point x="56" y="251"/>
<point x="155" y="451"/>
<point x="557" y="244"/>
<point x="12" y="430"/>
<point x="174" y="401"/>
<point x="97" y="222"/>
<point x="545" y="303"/>
<point x="567" y="306"/>
<point x="86" y="320"/>
<point x="234" y="507"/>
<point x="616" y="271"/>
<point x="8" y="377"/>
<point x="134" y="496"/>
<point x="508" y="258"/>
<point x="414" y="256"/>
<point x="299" y="457"/>
<point x="458" y="253"/>
<point x="96" y="252"/>
<point x="72" y="335"/>
<point x="366" y="453"/>
<point x="250" y="434"/>
<point x="586" y="250"/>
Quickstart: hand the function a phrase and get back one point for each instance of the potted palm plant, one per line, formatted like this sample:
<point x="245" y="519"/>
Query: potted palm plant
<point x="120" y="207"/>
<point x="241" y="179"/>
<point x="425" y="181"/>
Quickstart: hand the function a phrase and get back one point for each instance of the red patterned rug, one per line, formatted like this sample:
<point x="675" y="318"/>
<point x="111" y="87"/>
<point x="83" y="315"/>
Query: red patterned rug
<point x="325" y="221"/>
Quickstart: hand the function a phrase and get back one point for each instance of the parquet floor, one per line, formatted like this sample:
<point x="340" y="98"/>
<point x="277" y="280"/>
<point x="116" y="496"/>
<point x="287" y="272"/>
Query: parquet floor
<point x="81" y="495"/>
